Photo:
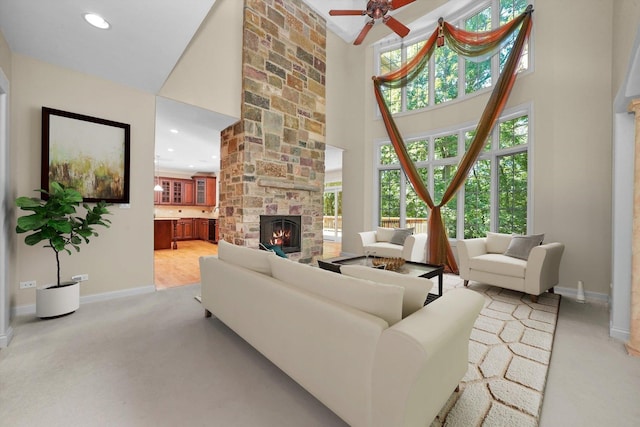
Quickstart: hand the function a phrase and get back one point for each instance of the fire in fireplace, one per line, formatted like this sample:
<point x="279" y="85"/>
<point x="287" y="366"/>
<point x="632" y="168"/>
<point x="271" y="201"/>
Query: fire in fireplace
<point x="281" y="230"/>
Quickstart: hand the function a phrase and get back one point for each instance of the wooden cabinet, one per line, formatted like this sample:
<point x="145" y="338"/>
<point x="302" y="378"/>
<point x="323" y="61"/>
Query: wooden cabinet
<point x="203" y="228"/>
<point x="205" y="190"/>
<point x="199" y="191"/>
<point x="164" y="197"/>
<point x="162" y="234"/>
<point x="175" y="191"/>
<point x="184" y="229"/>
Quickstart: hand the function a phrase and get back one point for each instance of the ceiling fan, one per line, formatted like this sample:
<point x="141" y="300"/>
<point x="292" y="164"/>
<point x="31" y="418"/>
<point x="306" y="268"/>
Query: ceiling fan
<point x="377" y="9"/>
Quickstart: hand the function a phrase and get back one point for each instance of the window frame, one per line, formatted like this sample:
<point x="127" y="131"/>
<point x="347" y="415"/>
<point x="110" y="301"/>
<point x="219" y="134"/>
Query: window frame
<point x="492" y="155"/>
<point x="458" y="19"/>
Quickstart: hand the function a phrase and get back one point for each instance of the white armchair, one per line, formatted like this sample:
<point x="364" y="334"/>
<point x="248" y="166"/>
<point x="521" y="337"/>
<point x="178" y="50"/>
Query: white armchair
<point x="483" y="260"/>
<point x="380" y="243"/>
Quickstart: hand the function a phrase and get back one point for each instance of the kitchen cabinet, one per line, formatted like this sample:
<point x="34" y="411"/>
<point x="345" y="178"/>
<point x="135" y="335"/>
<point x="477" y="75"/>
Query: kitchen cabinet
<point x="203" y="228"/>
<point x="205" y="190"/>
<point x="184" y="229"/>
<point x="163" y="233"/>
<point x="175" y="191"/>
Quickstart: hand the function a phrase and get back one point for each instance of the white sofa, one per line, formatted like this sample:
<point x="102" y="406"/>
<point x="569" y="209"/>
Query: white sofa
<point x="342" y="338"/>
<point x="378" y="243"/>
<point x="484" y="260"/>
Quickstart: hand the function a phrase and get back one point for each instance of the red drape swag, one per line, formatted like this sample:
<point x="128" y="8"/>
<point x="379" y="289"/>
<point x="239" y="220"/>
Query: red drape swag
<point x="468" y="44"/>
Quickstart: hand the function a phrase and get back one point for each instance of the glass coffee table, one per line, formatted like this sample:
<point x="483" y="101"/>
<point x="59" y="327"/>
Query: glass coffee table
<point x="410" y="268"/>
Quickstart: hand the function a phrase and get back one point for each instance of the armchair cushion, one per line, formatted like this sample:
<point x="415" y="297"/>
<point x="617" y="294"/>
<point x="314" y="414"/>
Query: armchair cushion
<point x="520" y="246"/>
<point x="499" y="264"/>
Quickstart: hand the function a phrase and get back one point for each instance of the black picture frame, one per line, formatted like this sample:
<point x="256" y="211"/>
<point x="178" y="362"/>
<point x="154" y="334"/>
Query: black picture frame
<point x="87" y="153"/>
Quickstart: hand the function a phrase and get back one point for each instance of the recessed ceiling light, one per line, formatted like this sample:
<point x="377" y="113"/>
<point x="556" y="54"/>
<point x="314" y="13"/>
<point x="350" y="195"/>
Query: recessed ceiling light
<point x="214" y="157"/>
<point x="97" y="21"/>
<point x="191" y="166"/>
<point x="173" y="130"/>
<point x="170" y="149"/>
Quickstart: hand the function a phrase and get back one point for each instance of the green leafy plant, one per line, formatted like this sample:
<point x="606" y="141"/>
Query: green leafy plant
<point x="53" y="221"/>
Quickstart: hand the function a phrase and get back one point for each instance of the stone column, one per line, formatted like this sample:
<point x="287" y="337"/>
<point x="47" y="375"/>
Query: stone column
<point x="633" y="346"/>
<point x="272" y="160"/>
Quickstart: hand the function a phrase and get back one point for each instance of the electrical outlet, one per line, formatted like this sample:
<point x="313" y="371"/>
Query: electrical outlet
<point x="80" y="277"/>
<point x="28" y="284"/>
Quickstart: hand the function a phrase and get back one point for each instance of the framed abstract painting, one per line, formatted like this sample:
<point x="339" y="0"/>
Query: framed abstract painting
<point x="87" y="153"/>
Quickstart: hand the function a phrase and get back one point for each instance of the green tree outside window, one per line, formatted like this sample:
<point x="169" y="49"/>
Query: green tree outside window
<point x="478" y="74"/>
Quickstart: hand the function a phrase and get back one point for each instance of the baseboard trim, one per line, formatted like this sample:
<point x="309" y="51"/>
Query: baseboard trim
<point x="589" y="296"/>
<point x="619" y="334"/>
<point x="31" y="308"/>
<point x="5" y="339"/>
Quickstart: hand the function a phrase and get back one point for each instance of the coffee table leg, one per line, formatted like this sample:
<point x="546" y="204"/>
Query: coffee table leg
<point x="440" y="283"/>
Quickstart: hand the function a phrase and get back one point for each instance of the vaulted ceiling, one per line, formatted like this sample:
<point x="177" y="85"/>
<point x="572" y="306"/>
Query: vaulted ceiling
<point x="147" y="38"/>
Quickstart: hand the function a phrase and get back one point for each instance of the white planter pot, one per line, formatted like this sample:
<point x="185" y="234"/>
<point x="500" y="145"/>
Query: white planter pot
<point x="52" y="302"/>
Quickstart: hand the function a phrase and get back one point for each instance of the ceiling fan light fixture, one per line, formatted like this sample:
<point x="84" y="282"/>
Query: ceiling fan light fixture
<point x="97" y="21"/>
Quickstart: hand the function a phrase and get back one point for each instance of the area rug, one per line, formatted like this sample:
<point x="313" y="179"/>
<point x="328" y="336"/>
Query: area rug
<point x="509" y="353"/>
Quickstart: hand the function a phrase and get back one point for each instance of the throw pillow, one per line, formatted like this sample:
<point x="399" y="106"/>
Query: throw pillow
<point x="384" y="234"/>
<point x="380" y="300"/>
<point x="497" y="243"/>
<point x="275" y="248"/>
<point x="521" y="246"/>
<point x="243" y="256"/>
<point x="416" y="289"/>
<point x="400" y="235"/>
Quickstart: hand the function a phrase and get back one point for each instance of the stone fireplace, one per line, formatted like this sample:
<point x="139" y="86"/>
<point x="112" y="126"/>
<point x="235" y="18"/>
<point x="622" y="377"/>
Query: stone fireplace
<point x="272" y="160"/>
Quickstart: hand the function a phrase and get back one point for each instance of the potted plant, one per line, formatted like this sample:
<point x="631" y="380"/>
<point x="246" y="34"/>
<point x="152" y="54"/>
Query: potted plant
<point x="54" y="222"/>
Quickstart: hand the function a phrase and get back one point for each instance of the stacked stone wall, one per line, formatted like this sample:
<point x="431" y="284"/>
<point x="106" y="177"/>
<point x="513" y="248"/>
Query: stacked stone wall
<point x="272" y="160"/>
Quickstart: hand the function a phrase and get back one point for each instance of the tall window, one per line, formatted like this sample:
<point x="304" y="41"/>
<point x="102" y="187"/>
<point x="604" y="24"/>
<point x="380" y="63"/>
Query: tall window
<point x="494" y="197"/>
<point x="451" y="76"/>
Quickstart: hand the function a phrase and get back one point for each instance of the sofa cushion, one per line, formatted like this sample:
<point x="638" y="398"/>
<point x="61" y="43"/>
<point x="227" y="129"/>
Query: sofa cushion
<point x="400" y="235"/>
<point x="416" y="289"/>
<point x="242" y="256"/>
<point x="497" y="243"/>
<point x="499" y="264"/>
<point x="384" y="234"/>
<point x="520" y="246"/>
<point x="383" y="301"/>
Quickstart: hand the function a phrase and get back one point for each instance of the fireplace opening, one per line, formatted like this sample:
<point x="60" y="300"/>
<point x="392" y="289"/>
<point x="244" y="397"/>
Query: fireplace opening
<point x="281" y="230"/>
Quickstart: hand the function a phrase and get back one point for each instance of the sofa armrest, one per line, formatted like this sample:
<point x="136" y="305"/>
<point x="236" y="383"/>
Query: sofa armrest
<point x="415" y="247"/>
<point x="421" y="360"/>
<point x="467" y="249"/>
<point x="366" y="238"/>
<point x="543" y="268"/>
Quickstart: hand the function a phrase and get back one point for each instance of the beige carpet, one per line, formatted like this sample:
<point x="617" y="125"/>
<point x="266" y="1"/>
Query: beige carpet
<point x="509" y="355"/>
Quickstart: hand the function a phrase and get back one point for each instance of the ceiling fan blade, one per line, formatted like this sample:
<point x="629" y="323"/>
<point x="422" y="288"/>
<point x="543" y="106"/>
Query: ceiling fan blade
<point x="396" y="26"/>
<point x="397" y="4"/>
<point x="340" y="12"/>
<point x="364" y="32"/>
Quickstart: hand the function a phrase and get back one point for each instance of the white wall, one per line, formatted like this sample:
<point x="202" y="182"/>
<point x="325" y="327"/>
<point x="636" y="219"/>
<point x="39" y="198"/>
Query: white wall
<point x="209" y="73"/>
<point x="626" y="41"/>
<point x="6" y="266"/>
<point x="345" y="129"/>
<point x="121" y="258"/>
<point x="570" y="91"/>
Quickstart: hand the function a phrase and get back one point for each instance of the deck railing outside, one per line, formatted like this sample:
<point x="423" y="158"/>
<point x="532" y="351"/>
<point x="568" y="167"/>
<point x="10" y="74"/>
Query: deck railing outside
<point x="331" y="223"/>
